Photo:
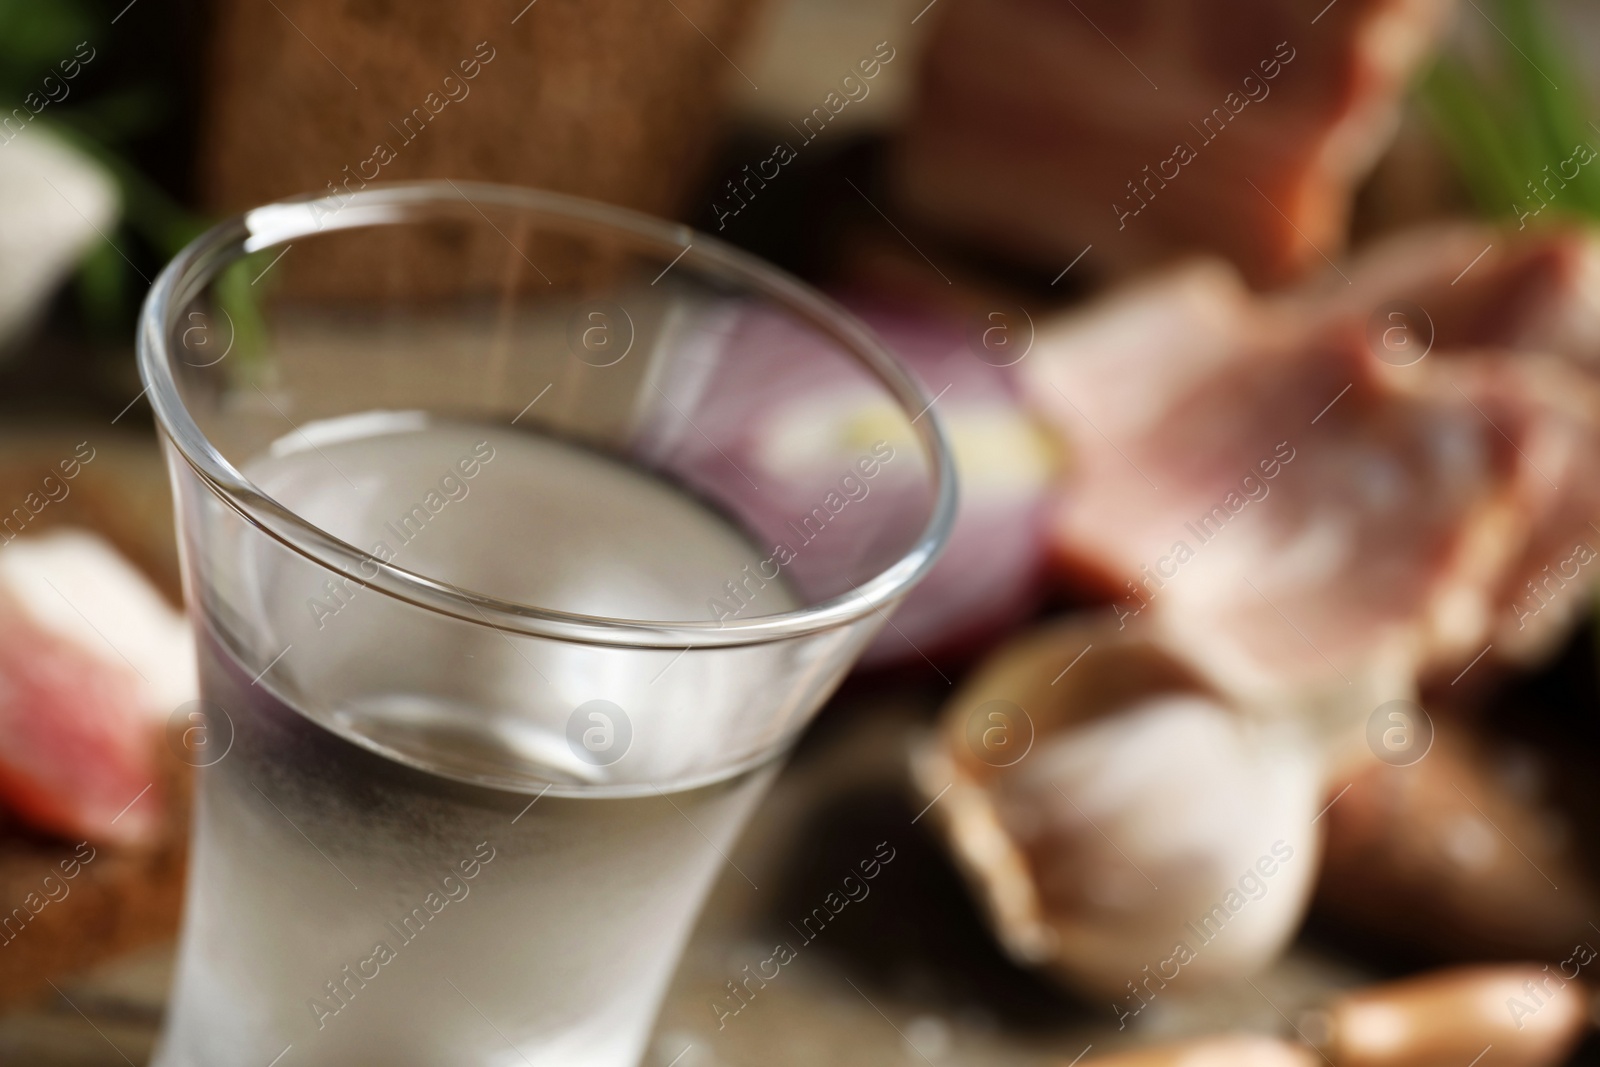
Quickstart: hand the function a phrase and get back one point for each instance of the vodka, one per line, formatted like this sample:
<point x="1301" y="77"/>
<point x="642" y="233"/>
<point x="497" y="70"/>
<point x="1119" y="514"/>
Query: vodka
<point x="403" y="858"/>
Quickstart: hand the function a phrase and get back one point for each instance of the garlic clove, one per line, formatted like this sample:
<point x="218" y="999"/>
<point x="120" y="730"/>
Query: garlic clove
<point x="1449" y="855"/>
<point x="1509" y="1016"/>
<point x="1235" y="1051"/>
<point x="1124" y="825"/>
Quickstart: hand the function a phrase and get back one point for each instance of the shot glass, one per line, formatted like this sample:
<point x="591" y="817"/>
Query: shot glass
<point x="510" y="593"/>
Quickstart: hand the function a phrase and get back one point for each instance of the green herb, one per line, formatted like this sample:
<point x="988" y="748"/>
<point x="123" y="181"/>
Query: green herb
<point x="36" y="38"/>
<point x="1517" y="126"/>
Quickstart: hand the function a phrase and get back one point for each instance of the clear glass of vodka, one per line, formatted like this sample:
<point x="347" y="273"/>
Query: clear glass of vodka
<point x="521" y="535"/>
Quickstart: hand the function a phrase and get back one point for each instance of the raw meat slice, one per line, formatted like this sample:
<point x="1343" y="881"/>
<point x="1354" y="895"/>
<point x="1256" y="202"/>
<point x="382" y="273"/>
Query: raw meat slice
<point x="77" y="749"/>
<point x="1457" y="292"/>
<point x="92" y="660"/>
<point x="1550" y="414"/>
<point x="1482" y="287"/>
<point x="1146" y="129"/>
<point x="1285" y="502"/>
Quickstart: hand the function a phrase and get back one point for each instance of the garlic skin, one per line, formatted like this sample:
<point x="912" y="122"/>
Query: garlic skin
<point x="1155" y="830"/>
<point x="1148" y="835"/>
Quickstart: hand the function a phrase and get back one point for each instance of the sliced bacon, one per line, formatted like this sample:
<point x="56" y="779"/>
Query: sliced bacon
<point x="1437" y="505"/>
<point x="1511" y="321"/>
<point x="75" y="746"/>
<point x="1548" y="509"/>
<point x="91" y="663"/>
<point x="1482" y="287"/>
<point x="1276" y="496"/>
<point x="1035" y="123"/>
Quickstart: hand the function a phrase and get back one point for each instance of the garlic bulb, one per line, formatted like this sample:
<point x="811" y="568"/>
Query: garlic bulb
<point x="1148" y="836"/>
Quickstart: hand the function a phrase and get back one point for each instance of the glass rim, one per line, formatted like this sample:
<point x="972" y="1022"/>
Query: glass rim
<point x="389" y="203"/>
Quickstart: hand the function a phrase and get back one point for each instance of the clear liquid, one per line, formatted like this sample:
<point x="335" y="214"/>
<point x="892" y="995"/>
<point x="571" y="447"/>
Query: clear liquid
<point x="394" y="878"/>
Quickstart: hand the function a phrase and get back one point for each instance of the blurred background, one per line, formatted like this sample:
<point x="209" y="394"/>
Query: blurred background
<point x="1257" y="692"/>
